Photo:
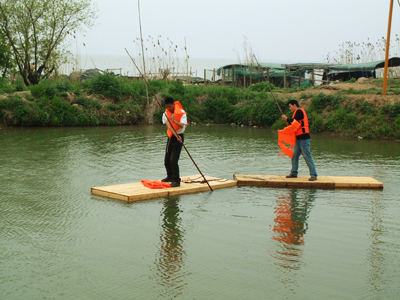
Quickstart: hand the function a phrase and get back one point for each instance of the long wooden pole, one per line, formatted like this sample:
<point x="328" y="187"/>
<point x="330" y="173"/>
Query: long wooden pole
<point x="273" y="96"/>
<point x="144" y="65"/>
<point x="387" y="48"/>
<point x="174" y="131"/>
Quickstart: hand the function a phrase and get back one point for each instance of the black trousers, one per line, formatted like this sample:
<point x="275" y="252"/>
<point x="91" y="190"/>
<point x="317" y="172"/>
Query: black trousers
<point x="172" y="154"/>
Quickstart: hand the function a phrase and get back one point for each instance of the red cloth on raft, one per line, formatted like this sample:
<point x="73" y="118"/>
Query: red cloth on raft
<point x="287" y="136"/>
<point x="155" y="184"/>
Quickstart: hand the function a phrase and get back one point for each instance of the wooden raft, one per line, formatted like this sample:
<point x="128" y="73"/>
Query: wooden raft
<point x="137" y="191"/>
<point x="302" y="181"/>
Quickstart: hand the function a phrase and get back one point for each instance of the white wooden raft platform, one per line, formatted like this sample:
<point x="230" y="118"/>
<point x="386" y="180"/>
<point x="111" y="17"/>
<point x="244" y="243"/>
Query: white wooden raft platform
<point x="137" y="191"/>
<point x="302" y="181"/>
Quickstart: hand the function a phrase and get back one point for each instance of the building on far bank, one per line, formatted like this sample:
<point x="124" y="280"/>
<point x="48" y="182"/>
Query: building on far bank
<point x="300" y="74"/>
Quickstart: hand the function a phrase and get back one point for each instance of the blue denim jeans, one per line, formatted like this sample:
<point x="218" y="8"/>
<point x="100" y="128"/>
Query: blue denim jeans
<point x="303" y="147"/>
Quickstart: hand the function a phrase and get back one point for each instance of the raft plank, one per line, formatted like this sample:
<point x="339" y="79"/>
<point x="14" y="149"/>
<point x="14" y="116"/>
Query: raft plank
<point x="260" y="180"/>
<point x="356" y="182"/>
<point x="302" y="181"/>
<point x="137" y="191"/>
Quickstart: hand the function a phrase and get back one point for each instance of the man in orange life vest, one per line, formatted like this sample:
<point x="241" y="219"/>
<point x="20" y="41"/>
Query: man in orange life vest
<point x="178" y="120"/>
<point x="303" y="141"/>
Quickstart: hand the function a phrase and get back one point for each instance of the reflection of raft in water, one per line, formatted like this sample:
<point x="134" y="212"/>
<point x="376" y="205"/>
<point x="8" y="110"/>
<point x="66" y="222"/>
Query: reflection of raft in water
<point x="302" y="181"/>
<point x="137" y="191"/>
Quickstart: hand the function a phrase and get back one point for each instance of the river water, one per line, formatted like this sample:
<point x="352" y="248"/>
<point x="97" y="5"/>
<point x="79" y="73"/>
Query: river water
<point x="57" y="241"/>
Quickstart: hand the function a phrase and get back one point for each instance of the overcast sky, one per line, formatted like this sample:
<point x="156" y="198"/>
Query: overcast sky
<point x="290" y="30"/>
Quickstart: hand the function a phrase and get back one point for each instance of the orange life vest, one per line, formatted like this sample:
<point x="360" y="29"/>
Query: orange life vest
<point x="287" y="136"/>
<point x="304" y="123"/>
<point x="178" y="113"/>
<point x="155" y="184"/>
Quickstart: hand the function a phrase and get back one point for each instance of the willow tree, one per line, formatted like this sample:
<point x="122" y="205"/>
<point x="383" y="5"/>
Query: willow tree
<point x="38" y="30"/>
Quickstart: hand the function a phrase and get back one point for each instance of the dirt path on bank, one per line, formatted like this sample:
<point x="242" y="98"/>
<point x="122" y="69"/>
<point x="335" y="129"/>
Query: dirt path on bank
<point x="341" y="88"/>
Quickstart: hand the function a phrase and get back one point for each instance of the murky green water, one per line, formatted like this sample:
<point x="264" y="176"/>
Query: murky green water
<point x="57" y="241"/>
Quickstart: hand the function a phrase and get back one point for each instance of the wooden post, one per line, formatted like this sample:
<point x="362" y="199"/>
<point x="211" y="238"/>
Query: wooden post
<point x="223" y="77"/>
<point x="251" y="73"/>
<point x="214" y="75"/>
<point x="284" y="79"/>
<point x="387" y="49"/>
<point x="205" y="77"/>
<point x="233" y="75"/>
<point x="312" y="75"/>
<point x="299" y="77"/>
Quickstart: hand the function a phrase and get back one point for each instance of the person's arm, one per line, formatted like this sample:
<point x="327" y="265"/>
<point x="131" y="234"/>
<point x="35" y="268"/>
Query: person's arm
<point x="180" y="124"/>
<point x="298" y="116"/>
<point x="168" y="121"/>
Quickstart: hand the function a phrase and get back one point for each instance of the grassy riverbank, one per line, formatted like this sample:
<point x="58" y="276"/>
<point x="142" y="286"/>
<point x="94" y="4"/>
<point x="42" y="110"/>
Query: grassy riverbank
<point x="351" y="109"/>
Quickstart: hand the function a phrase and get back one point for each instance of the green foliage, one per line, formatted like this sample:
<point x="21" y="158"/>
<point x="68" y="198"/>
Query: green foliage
<point x="6" y="56"/>
<point x="322" y="101"/>
<point x="262" y="87"/>
<point x="397" y="125"/>
<point x="11" y="103"/>
<point x="46" y="88"/>
<point x="371" y="91"/>
<point x="268" y="113"/>
<point x="5" y="87"/>
<point x="219" y="110"/>
<point x="176" y="88"/>
<point x="82" y="100"/>
<point x="352" y="80"/>
<point x="112" y="107"/>
<point x="316" y="122"/>
<point x="19" y="85"/>
<point x="306" y="95"/>
<point x="219" y="104"/>
<point x="104" y="84"/>
<point x="96" y="104"/>
<point x="394" y="110"/>
<point x="366" y="108"/>
<point x="245" y="114"/>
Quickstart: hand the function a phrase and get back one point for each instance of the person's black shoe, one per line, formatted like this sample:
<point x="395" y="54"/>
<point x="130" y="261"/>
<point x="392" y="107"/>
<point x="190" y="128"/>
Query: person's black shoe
<point x="175" y="184"/>
<point x="167" y="179"/>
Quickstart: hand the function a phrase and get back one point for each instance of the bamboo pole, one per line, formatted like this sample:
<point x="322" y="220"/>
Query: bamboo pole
<point x="273" y="96"/>
<point x="174" y="131"/>
<point x="144" y="65"/>
<point x="387" y="48"/>
<point x="187" y="64"/>
<point x="214" y="75"/>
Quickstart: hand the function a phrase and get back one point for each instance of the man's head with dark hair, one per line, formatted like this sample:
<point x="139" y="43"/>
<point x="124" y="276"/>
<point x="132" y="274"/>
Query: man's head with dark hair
<point x="169" y="100"/>
<point x="293" y="105"/>
<point x="170" y="104"/>
<point x="293" y="102"/>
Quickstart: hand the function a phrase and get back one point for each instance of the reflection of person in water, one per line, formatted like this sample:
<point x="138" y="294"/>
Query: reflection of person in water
<point x="169" y="260"/>
<point x="292" y="212"/>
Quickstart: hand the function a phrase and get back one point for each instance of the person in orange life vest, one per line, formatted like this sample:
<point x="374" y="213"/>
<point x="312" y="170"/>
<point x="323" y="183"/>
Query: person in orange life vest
<point x="303" y="141"/>
<point x="178" y="120"/>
